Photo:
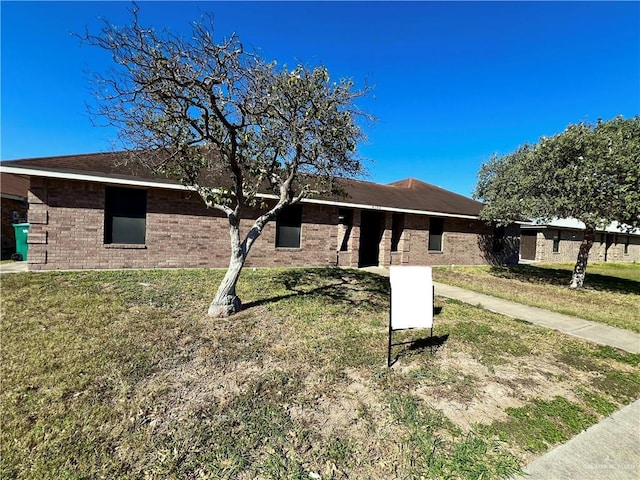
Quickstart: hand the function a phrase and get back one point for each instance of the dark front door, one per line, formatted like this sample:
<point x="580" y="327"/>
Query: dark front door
<point x="528" y="245"/>
<point x="370" y="236"/>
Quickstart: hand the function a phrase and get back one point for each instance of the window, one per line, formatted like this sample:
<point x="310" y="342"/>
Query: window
<point x="436" y="229"/>
<point x="626" y="246"/>
<point x="125" y="215"/>
<point x="288" y="224"/>
<point x="397" y="226"/>
<point x="556" y="241"/>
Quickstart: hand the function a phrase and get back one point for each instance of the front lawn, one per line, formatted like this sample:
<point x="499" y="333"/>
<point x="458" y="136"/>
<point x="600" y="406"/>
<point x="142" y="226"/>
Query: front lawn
<point x="611" y="294"/>
<point x="122" y="375"/>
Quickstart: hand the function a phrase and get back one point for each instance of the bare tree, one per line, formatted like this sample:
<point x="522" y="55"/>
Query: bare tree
<point x="229" y="125"/>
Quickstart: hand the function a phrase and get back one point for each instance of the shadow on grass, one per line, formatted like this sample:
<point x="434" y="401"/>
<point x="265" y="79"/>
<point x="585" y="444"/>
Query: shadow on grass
<point x="432" y="343"/>
<point x="340" y="289"/>
<point x="556" y="276"/>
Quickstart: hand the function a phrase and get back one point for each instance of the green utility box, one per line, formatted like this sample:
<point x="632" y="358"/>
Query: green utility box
<point x="22" y="247"/>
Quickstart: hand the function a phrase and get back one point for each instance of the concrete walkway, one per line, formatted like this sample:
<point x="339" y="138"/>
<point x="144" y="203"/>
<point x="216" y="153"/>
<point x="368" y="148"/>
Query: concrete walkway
<point x="609" y="450"/>
<point x="577" y="327"/>
<point x="592" y="331"/>
<point x="13" y="267"/>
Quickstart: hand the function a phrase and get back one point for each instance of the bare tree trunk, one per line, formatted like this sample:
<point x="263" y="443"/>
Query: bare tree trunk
<point x="580" y="269"/>
<point x="226" y="302"/>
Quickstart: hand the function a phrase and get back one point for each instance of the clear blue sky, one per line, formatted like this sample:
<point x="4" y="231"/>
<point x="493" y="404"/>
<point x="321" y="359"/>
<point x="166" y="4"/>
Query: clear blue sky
<point x="454" y="82"/>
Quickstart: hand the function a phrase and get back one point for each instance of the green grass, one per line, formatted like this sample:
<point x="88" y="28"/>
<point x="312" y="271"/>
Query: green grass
<point x="611" y="294"/>
<point x="122" y="375"/>
<point x="627" y="271"/>
<point x="544" y="423"/>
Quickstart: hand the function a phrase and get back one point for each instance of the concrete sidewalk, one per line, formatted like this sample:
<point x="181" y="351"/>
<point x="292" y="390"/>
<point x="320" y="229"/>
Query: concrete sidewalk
<point x="609" y="450"/>
<point x="592" y="331"/>
<point x="14" y="267"/>
<point x="577" y="327"/>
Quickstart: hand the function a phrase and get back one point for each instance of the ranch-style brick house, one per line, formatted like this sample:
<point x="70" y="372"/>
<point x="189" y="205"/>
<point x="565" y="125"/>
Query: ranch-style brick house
<point x="559" y="241"/>
<point x="91" y="211"/>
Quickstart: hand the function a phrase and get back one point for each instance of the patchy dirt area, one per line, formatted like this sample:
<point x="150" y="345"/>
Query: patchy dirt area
<point x="353" y="402"/>
<point x="490" y="391"/>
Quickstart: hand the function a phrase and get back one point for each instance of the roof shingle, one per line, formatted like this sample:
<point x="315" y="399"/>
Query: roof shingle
<point x="407" y="194"/>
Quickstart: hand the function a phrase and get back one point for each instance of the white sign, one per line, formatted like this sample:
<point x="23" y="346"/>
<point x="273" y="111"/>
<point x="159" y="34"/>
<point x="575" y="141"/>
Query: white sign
<point x="411" y="297"/>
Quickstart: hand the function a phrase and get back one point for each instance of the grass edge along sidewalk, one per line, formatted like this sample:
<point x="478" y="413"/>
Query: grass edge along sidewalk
<point x="577" y="327"/>
<point x="611" y="295"/>
<point x="609" y="450"/>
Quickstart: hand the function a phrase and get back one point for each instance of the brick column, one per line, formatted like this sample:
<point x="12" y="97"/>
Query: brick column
<point x="354" y="240"/>
<point x="38" y="219"/>
<point x="384" y="255"/>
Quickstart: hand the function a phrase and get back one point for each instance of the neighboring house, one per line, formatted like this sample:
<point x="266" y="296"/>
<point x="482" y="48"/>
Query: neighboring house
<point x="559" y="241"/>
<point x="13" y="195"/>
<point x="91" y="211"/>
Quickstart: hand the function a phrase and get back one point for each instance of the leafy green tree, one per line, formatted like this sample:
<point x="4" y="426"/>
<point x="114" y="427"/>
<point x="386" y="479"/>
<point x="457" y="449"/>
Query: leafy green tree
<point x="587" y="172"/>
<point x="227" y="124"/>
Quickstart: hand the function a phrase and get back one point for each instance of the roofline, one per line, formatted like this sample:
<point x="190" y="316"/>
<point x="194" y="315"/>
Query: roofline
<point x="530" y="226"/>
<point x="38" y="172"/>
<point x="383" y="208"/>
<point x="11" y="196"/>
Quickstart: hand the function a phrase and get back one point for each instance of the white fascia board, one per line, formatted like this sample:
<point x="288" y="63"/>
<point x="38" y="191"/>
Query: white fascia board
<point x="391" y="209"/>
<point x="91" y="178"/>
<point x="374" y="207"/>
<point x="574" y="224"/>
<point x="175" y="186"/>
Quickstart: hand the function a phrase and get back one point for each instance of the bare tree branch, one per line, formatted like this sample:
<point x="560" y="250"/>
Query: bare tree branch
<point x="227" y="124"/>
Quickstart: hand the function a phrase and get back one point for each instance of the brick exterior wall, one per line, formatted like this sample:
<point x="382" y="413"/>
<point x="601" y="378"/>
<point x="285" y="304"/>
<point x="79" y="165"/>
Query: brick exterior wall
<point x="609" y="247"/>
<point x="464" y="242"/>
<point x="67" y="232"/>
